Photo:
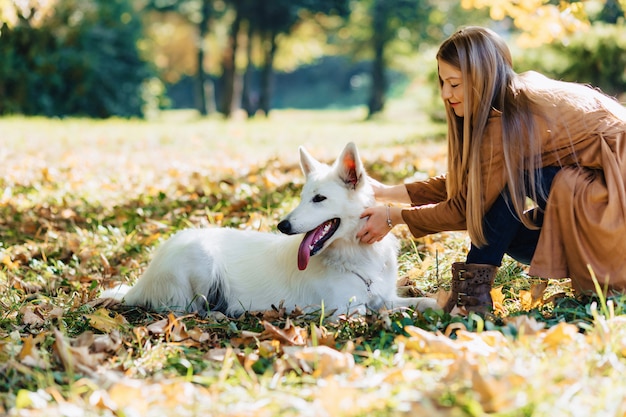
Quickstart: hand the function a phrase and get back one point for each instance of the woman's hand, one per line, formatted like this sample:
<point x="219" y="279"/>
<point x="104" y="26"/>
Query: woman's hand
<point x="377" y="225"/>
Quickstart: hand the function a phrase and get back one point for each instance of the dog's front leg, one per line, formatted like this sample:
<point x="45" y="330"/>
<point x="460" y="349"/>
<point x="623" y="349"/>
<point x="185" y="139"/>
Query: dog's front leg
<point x="418" y="303"/>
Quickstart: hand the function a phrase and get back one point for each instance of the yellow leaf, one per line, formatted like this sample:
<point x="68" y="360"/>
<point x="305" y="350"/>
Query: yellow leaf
<point x="27" y="347"/>
<point x="496" y="393"/>
<point x="533" y="298"/>
<point x="125" y="394"/>
<point x="151" y="239"/>
<point x="498" y="301"/>
<point x="102" y="320"/>
<point x="422" y="341"/>
<point x="526" y="299"/>
<point x="6" y="260"/>
<point x="561" y="334"/>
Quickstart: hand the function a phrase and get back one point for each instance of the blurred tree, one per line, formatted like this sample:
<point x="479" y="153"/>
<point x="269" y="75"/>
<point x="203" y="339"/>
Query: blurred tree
<point x="266" y="20"/>
<point x="393" y="33"/>
<point x="611" y="12"/>
<point x="78" y="58"/>
<point x="544" y="21"/>
<point x="200" y="13"/>
<point x="389" y="19"/>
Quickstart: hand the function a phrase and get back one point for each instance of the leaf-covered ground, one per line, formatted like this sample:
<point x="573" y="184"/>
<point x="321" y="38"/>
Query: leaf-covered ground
<point x="83" y="204"/>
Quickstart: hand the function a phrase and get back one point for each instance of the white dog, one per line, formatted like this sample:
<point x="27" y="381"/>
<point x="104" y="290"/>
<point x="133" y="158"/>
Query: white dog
<point x="316" y="261"/>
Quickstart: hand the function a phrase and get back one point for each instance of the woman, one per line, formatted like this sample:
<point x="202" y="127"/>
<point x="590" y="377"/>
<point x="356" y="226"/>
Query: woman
<point x="514" y="138"/>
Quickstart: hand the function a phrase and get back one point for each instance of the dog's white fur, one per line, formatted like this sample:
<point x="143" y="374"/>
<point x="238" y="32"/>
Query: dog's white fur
<point x="230" y="270"/>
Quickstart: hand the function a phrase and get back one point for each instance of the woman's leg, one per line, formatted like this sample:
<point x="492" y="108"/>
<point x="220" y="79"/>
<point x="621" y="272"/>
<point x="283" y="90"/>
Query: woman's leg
<point x="500" y="227"/>
<point x="505" y="233"/>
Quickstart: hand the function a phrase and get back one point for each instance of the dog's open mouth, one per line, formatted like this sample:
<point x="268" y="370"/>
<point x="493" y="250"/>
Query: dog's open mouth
<point x="314" y="240"/>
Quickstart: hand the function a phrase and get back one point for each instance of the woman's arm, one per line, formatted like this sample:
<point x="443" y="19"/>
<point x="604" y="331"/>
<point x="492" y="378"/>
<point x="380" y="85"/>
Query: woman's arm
<point x="390" y="193"/>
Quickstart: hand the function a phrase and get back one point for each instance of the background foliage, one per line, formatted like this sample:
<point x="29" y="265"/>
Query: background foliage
<point x="125" y="57"/>
<point x="82" y="59"/>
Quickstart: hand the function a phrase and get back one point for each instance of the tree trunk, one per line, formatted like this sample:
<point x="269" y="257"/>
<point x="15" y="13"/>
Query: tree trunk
<point x="379" y="41"/>
<point x="229" y="67"/>
<point x="248" y="103"/>
<point x="269" y="46"/>
<point x="379" y="83"/>
<point x="202" y="88"/>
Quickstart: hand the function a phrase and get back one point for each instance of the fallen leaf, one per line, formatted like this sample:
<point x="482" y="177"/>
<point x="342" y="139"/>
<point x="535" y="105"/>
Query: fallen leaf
<point x="172" y="328"/>
<point x="31" y="316"/>
<point x="561" y="334"/>
<point x="442" y="296"/>
<point x="533" y="298"/>
<point x="525" y="325"/>
<point x="30" y="355"/>
<point x="290" y="334"/>
<point x="498" y="301"/>
<point x="27" y="287"/>
<point x="74" y="358"/>
<point x="323" y="360"/>
<point x="102" y="320"/>
<point x="158" y="327"/>
<point x="10" y="264"/>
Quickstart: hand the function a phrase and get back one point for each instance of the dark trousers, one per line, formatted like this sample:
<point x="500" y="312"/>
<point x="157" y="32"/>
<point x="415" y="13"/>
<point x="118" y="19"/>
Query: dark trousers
<point x="505" y="233"/>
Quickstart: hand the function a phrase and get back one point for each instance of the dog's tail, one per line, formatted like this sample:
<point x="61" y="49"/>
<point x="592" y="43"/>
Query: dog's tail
<point x="116" y="293"/>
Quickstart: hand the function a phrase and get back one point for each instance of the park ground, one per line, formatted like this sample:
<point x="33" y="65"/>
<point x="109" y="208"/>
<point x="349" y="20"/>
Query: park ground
<point x="83" y="204"/>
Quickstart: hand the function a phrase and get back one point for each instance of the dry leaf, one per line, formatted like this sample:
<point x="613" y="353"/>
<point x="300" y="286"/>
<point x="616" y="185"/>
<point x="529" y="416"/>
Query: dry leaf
<point x="322" y="336"/>
<point x="31" y="316"/>
<point x="10" y="264"/>
<point x="172" y="328"/>
<point x="30" y="355"/>
<point x="158" y="327"/>
<point x="126" y="394"/>
<point x="27" y="287"/>
<point x="525" y="325"/>
<point x="324" y="360"/>
<point x="533" y="298"/>
<point x="422" y="341"/>
<point x="561" y="334"/>
<point x="74" y="358"/>
<point x="102" y="320"/>
<point x="496" y="393"/>
<point x="291" y="335"/>
<point x="442" y="296"/>
<point x="498" y="301"/>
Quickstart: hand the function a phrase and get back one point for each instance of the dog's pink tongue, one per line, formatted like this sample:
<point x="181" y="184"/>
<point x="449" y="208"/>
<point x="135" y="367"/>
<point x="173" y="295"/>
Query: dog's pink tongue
<point x="304" y="252"/>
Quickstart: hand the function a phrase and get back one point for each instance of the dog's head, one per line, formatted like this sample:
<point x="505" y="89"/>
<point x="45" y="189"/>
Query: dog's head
<point x="332" y="201"/>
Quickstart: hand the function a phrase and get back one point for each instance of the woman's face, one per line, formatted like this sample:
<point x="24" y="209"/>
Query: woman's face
<point x="451" y="86"/>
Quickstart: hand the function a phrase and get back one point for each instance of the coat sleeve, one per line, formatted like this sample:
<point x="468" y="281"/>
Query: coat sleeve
<point x="430" y="191"/>
<point x="434" y="212"/>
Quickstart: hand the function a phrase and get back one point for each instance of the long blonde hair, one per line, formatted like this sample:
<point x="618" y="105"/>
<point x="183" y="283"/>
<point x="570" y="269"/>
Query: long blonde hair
<point x="489" y="83"/>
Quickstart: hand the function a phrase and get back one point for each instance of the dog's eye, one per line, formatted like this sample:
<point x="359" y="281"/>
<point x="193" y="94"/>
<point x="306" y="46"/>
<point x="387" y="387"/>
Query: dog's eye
<point x="318" y="198"/>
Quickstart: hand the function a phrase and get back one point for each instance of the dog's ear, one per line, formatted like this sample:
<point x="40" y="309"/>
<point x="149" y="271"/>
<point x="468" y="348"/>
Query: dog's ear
<point x="307" y="162"/>
<point x="350" y="166"/>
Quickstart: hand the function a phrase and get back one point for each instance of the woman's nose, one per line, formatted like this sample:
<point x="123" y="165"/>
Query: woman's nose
<point x="445" y="92"/>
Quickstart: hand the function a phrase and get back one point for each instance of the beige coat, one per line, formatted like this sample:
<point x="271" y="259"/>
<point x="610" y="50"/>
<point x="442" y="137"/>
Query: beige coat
<point x="585" y="220"/>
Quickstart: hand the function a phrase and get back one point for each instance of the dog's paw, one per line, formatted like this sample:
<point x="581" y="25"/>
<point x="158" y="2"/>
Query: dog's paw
<point x="425" y="303"/>
<point x="104" y="302"/>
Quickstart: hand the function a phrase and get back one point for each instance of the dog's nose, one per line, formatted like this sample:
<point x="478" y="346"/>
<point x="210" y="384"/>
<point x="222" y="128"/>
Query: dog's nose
<point x="285" y="227"/>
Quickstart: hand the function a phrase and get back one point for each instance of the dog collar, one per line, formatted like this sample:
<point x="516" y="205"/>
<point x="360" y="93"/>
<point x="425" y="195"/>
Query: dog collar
<point x="367" y="282"/>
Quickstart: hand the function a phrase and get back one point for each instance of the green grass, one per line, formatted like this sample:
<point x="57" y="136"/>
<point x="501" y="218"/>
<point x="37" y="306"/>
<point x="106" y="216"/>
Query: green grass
<point x="84" y="203"/>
